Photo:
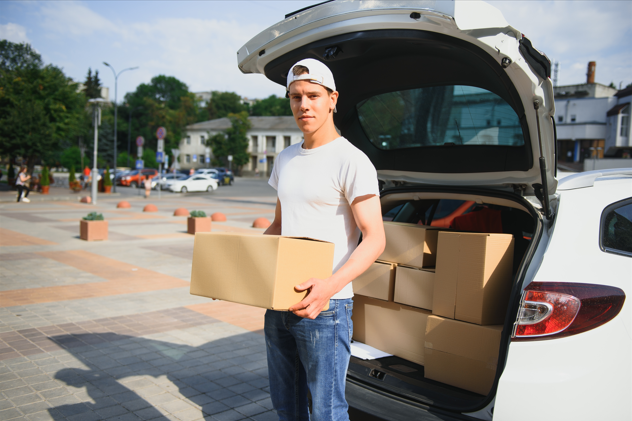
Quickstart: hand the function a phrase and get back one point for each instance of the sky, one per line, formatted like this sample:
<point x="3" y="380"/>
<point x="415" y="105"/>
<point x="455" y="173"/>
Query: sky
<point x="197" y="41"/>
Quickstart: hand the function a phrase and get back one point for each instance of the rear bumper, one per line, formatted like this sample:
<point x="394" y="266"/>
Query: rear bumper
<point x="370" y="405"/>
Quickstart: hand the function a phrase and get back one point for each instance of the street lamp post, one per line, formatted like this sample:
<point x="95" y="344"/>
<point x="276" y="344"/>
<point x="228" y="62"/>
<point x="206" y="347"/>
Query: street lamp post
<point x="116" y="75"/>
<point x="96" y="121"/>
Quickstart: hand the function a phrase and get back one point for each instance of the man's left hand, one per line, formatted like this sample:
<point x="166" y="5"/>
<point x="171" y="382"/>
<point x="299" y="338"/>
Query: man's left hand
<point x="319" y="293"/>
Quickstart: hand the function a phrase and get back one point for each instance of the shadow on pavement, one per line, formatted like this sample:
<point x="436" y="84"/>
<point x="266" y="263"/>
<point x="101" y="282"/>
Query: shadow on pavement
<point x="202" y="375"/>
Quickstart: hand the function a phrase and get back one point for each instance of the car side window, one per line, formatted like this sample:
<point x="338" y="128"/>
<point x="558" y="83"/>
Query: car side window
<point x="616" y="228"/>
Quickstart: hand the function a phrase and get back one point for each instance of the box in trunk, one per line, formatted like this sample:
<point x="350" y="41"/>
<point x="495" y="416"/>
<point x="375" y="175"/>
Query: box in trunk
<point x="461" y="354"/>
<point x="257" y="270"/>
<point x="414" y="287"/>
<point x="473" y="276"/>
<point x="376" y="282"/>
<point x="390" y="327"/>
<point x="410" y="244"/>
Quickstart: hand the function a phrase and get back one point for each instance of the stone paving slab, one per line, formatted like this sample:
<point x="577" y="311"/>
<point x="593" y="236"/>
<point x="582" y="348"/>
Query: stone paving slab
<point x="108" y="330"/>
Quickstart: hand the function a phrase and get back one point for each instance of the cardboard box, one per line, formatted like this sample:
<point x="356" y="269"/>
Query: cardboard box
<point x="390" y="327"/>
<point x="473" y="276"/>
<point x="414" y="287"/>
<point x="257" y="270"/>
<point x="461" y="354"/>
<point x="410" y="244"/>
<point x="376" y="282"/>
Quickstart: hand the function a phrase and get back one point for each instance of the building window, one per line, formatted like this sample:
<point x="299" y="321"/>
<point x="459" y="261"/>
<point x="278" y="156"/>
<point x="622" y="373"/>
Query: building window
<point x="255" y="143"/>
<point x="270" y="144"/>
<point x="201" y="140"/>
<point x="202" y="159"/>
<point x="187" y="158"/>
<point x="573" y="118"/>
<point x="625" y="122"/>
<point x="188" y="140"/>
<point x="287" y="141"/>
<point x="560" y="119"/>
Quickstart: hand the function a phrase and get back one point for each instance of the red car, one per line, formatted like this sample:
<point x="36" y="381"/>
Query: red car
<point x="133" y="179"/>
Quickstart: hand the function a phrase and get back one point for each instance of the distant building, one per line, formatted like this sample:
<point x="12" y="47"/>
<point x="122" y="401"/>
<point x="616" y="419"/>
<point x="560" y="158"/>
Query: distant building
<point x="592" y="121"/>
<point x="105" y="92"/>
<point x="268" y="136"/>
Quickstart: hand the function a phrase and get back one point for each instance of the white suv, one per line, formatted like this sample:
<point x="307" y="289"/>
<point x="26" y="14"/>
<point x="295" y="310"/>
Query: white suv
<point x="455" y="109"/>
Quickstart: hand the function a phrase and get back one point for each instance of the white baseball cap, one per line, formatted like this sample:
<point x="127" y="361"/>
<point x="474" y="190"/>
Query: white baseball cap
<point x="317" y="73"/>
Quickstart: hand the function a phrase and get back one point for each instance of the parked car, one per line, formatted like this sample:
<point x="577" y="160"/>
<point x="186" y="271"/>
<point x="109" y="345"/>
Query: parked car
<point x="206" y="171"/>
<point x="136" y="177"/>
<point x="451" y="103"/>
<point x="198" y="182"/>
<point x="226" y="176"/>
<point x="165" y="179"/>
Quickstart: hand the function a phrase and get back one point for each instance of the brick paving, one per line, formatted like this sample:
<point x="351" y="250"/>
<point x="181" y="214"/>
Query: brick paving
<point x="108" y="330"/>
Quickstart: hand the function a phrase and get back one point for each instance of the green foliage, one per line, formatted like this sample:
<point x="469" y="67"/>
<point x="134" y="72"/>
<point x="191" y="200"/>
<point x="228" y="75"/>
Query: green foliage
<point x="165" y="102"/>
<point x="272" y="106"/>
<point x="92" y="85"/>
<point x="198" y="214"/>
<point x="224" y="103"/>
<point x="71" y="157"/>
<point x="39" y="105"/>
<point x="125" y="160"/>
<point x="107" y="181"/>
<point x="233" y="141"/>
<point x="149" y="158"/>
<point x="93" y="216"/>
<point x="71" y="177"/>
<point x="44" y="178"/>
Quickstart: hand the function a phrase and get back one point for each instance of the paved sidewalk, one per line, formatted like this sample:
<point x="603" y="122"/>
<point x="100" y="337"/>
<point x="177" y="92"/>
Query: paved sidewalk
<point x="108" y="330"/>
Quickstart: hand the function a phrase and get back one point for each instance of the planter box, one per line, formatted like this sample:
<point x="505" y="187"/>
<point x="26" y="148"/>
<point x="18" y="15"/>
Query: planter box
<point x="107" y="189"/>
<point x="198" y="225"/>
<point x="93" y="230"/>
<point x="45" y="189"/>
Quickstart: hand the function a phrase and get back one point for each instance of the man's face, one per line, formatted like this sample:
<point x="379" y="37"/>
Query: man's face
<point x="311" y="105"/>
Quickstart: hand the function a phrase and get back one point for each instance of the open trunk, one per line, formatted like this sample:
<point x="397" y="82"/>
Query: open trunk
<point x="471" y="211"/>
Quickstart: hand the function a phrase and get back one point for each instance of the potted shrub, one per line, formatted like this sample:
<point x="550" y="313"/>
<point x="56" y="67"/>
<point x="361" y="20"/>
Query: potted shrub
<point x="73" y="183"/>
<point x="44" y="180"/>
<point x="107" y="181"/>
<point x="93" y="227"/>
<point x="198" y="222"/>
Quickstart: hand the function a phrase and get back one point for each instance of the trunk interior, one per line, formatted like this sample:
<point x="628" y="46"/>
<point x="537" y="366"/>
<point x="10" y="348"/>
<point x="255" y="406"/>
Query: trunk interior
<point x="456" y="212"/>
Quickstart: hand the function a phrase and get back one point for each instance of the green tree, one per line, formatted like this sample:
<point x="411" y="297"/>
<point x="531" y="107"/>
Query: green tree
<point x="39" y="105"/>
<point x="92" y="85"/>
<point x="125" y="160"/>
<point x="222" y="104"/>
<point x="233" y="141"/>
<point x="272" y="106"/>
<point x="149" y="158"/>
<point x="71" y="157"/>
<point x="165" y="102"/>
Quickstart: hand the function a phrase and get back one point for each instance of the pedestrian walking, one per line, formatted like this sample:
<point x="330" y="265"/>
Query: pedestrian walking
<point x="22" y="186"/>
<point x="147" y="187"/>
<point x="328" y="190"/>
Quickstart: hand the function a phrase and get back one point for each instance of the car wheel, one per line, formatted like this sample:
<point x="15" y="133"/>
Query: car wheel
<point x="133" y="184"/>
<point x="183" y="189"/>
<point x="210" y="188"/>
<point x="230" y="183"/>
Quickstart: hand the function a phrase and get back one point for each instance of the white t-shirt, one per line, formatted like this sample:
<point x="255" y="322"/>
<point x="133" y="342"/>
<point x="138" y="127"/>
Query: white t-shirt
<point x="316" y="188"/>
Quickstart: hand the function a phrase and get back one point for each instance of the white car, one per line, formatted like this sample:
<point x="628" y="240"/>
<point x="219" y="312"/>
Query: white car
<point x="166" y="179"/>
<point x="193" y="183"/>
<point x="455" y="109"/>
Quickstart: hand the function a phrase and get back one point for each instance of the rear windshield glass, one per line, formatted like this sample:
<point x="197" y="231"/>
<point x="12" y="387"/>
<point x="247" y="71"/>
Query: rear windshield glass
<point x="440" y="115"/>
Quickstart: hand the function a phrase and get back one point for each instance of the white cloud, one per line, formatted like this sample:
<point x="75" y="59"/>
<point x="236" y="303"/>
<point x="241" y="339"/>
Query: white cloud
<point x="14" y="33"/>
<point x="74" y="18"/>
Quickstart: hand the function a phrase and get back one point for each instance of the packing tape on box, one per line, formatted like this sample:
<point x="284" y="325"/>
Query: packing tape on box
<point x="428" y="345"/>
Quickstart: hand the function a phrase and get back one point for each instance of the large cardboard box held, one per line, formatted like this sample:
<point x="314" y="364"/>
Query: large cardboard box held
<point x="461" y="354"/>
<point x="257" y="270"/>
<point x="414" y="287"/>
<point x="410" y="244"/>
<point x="376" y="282"/>
<point x="393" y="328"/>
<point x="473" y="276"/>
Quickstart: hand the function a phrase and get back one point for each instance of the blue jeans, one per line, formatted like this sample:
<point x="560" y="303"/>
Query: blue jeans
<point x="312" y="355"/>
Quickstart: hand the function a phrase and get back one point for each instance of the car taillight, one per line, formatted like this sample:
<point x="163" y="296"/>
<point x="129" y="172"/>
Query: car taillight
<point x="557" y="309"/>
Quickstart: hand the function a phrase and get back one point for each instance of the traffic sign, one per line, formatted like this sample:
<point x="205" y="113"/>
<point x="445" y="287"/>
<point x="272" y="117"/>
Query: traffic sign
<point x="139" y="164"/>
<point x="194" y="157"/>
<point x="161" y="145"/>
<point x="208" y="159"/>
<point x="140" y="141"/>
<point x="176" y="154"/>
<point x="161" y="133"/>
<point x="230" y="158"/>
<point x="160" y="156"/>
<point x="140" y="151"/>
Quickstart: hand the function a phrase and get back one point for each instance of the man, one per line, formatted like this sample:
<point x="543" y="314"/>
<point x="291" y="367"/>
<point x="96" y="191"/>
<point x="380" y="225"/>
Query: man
<point x="328" y="190"/>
